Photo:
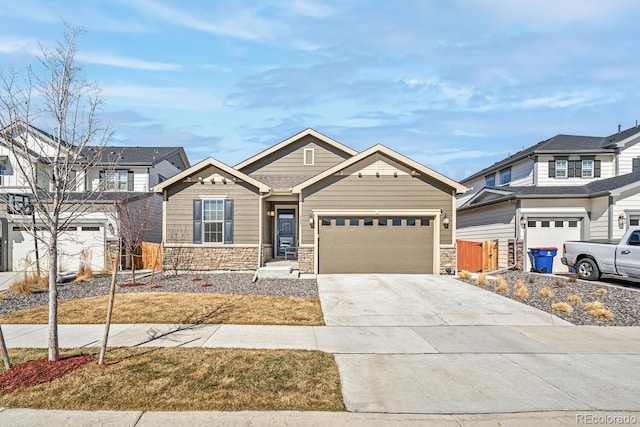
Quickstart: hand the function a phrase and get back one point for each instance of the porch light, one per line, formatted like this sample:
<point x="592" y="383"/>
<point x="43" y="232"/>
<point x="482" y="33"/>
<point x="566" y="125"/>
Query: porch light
<point x="445" y="221"/>
<point x="271" y="213"/>
<point x="312" y="221"/>
<point x="523" y="221"/>
<point x="622" y="221"/>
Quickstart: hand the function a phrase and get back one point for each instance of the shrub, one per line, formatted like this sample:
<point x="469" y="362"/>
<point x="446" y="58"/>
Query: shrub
<point x="521" y="292"/>
<point x="24" y="285"/>
<point x="601" y="313"/>
<point x="464" y="275"/>
<point x="546" y="292"/>
<point x="502" y="288"/>
<point x="562" y="306"/>
<point x="1" y="296"/>
<point x="574" y="299"/>
<point x="482" y="280"/>
<point x="595" y="305"/>
<point x="85" y="271"/>
<point x="602" y="291"/>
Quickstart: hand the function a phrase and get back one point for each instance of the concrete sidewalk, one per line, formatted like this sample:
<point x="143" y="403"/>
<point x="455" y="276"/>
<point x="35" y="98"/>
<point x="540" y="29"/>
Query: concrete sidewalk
<point x="429" y="347"/>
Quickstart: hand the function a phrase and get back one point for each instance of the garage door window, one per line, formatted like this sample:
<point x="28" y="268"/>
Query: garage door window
<point x="354" y="222"/>
<point x="339" y="222"/>
<point x="325" y="222"/>
<point x="573" y="224"/>
<point x="411" y="222"/>
<point x="368" y="222"/>
<point x="396" y="222"/>
<point x="382" y="222"/>
<point x="424" y="222"/>
<point x="559" y="224"/>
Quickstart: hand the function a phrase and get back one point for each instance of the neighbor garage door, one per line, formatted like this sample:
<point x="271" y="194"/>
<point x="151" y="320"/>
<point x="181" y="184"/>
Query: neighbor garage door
<point x="375" y="245"/>
<point x="553" y="232"/>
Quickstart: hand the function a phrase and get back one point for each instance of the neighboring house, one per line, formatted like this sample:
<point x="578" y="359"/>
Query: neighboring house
<point x="565" y="188"/>
<point x="337" y="210"/>
<point x="123" y="173"/>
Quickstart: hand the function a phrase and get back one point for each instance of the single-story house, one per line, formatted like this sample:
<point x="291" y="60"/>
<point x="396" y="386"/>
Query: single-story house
<point x="311" y="197"/>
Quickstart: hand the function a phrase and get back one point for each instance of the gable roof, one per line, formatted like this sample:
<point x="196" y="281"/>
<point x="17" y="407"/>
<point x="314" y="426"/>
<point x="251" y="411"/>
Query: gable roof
<point x="379" y="148"/>
<point x="559" y="144"/>
<point x="609" y="186"/>
<point x="620" y="139"/>
<point x="292" y="140"/>
<point x="210" y="161"/>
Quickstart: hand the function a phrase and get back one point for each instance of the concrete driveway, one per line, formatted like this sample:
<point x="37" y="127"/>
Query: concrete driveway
<point x="485" y="353"/>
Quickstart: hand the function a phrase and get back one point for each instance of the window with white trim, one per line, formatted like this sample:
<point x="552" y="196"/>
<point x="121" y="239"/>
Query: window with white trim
<point x="505" y="176"/>
<point x="587" y="168"/>
<point x="490" y="181"/>
<point x="116" y="180"/>
<point x="561" y="168"/>
<point x="213" y="221"/>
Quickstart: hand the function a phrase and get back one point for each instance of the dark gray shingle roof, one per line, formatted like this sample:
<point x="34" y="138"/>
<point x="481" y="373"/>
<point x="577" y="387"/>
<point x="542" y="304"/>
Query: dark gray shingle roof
<point x="124" y="155"/>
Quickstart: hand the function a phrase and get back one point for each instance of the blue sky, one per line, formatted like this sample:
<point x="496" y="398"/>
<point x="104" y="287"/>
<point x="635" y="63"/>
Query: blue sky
<point x="455" y="85"/>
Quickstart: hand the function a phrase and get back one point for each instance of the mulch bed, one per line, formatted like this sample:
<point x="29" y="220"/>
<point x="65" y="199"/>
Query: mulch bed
<point x="132" y="285"/>
<point x="41" y="371"/>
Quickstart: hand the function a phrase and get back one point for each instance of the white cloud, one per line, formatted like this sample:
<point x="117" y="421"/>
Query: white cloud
<point x="447" y="90"/>
<point x="124" y="62"/>
<point x="241" y="24"/>
<point x="465" y="133"/>
<point x="16" y="45"/>
<point x="159" y="97"/>
<point x="561" y="100"/>
<point x="311" y="9"/>
<point x="543" y="13"/>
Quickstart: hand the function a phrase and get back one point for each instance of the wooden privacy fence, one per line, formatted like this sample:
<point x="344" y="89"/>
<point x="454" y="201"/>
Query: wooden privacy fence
<point x="151" y="258"/>
<point x="476" y="257"/>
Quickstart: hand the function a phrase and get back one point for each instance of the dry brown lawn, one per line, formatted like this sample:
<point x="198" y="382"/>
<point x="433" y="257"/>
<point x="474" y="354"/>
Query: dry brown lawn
<point x="172" y="379"/>
<point x="181" y="308"/>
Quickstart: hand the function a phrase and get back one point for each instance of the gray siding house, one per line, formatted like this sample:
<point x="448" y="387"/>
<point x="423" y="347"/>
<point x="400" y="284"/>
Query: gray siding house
<point x="310" y="197"/>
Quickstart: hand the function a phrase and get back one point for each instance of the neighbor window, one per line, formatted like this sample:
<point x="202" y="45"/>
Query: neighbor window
<point x="213" y="221"/>
<point x="117" y="180"/>
<point x="587" y="168"/>
<point x="505" y="176"/>
<point x="490" y="181"/>
<point x="561" y="168"/>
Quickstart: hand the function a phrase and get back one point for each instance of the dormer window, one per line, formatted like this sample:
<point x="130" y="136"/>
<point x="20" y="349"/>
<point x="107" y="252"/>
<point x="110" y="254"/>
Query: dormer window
<point x="309" y="154"/>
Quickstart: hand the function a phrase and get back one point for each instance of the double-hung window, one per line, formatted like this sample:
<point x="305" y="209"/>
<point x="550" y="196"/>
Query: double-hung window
<point x="213" y="221"/>
<point x="505" y="177"/>
<point x="587" y="169"/>
<point x="561" y="168"/>
<point x="116" y="180"/>
<point x="490" y="181"/>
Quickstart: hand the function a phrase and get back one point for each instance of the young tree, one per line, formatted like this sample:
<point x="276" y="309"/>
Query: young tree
<point x="56" y="96"/>
<point x="136" y="216"/>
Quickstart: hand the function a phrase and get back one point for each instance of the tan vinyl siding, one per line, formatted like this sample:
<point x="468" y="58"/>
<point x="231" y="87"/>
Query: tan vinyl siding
<point x="371" y="192"/>
<point x="289" y="161"/>
<point x="179" y="208"/>
<point x="489" y="223"/>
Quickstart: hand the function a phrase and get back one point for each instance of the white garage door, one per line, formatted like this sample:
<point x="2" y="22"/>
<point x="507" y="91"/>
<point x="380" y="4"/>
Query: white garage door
<point x="544" y="232"/>
<point x="80" y="241"/>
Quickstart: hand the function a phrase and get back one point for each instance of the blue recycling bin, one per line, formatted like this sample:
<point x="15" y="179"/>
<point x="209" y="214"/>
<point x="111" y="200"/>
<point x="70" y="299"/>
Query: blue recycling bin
<point x="543" y="259"/>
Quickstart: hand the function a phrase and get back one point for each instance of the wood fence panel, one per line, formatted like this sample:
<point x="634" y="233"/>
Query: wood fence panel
<point x="490" y="255"/>
<point x="151" y="256"/>
<point x="469" y="256"/>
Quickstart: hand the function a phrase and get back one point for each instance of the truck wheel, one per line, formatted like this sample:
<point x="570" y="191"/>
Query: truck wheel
<point x="587" y="269"/>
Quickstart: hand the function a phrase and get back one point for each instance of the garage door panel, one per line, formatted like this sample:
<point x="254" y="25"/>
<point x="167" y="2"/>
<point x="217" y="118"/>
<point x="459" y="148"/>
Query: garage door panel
<point x="375" y="249"/>
<point x="543" y="232"/>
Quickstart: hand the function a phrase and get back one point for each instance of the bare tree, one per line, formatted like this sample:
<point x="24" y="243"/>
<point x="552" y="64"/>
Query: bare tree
<point x="52" y="165"/>
<point x="136" y="217"/>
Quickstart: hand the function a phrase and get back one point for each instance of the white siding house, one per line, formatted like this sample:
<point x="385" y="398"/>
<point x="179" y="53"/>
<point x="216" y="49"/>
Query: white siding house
<point x="565" y="188"/>
<point x="121" y="173"/>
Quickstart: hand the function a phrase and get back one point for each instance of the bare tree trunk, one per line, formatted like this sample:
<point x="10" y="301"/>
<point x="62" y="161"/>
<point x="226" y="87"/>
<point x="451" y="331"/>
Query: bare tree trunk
<point x="5" y="353"/>
<point x="133" y="267"/>
<point x="54" y="350"/>
<point x="112" y="296"/>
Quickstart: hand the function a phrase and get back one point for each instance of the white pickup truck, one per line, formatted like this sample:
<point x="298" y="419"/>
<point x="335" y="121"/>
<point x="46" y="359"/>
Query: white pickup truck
<point x="591" y="259"/>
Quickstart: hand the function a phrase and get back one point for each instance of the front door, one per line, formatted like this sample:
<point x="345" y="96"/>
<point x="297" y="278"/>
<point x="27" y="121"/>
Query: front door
<point x="286" y="231"/>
